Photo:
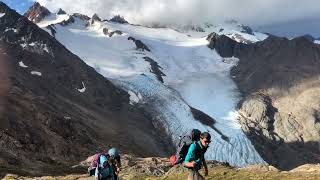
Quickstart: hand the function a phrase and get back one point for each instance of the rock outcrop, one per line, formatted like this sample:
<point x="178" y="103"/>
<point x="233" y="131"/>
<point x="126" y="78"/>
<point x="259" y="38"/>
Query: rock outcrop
<point x="118" y="32"/>
<point x="155" y="68"/>
<point x="61" y="11"/>
<point x="37" y="12"/>
<point x="119" y="19"/>
<point x="70" y="20"/>
<point x="81" y="16"/>
<point x="140" y="45"/>
<point x="224" y="45"/>
<point x="246" y="29"/>
<point x="95" y="17"/>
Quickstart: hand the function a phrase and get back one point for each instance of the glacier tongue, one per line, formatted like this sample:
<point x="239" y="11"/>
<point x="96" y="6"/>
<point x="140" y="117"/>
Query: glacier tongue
<point x="174" y="114"/>
<point x="195" y="76"/>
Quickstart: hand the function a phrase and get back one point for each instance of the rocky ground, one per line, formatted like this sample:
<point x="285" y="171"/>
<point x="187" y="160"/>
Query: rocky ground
<point x="154" y="168"/>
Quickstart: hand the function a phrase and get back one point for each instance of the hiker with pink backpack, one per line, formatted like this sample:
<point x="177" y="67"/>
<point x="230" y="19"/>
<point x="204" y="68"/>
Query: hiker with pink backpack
<point x="106" y="166"/>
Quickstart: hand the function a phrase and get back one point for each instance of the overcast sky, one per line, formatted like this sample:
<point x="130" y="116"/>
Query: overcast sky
<point x="265" y="15"/>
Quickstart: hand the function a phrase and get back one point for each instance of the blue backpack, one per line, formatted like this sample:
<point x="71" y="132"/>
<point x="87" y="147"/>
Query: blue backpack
<point x="104" y="170"/>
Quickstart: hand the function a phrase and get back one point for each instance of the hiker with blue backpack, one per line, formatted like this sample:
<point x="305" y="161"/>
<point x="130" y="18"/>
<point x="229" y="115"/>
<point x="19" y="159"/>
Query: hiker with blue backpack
<point x="195" y="157"/>
<point x="104" y="170"/>
<point x="106" y="166"/>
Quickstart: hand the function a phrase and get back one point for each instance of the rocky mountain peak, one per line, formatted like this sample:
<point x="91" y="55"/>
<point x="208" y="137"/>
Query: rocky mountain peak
<point x="95" y="17"/>
<point x="119" y="19"/>
<point x="224" y="45"/>
<point x="17" y="29"/>
<point x="37" y="12"/>
<point x="81" y="16"/>
<point x="246" y="29"/>
<point x="243" y="28"/>
<point x="61" y="11"/>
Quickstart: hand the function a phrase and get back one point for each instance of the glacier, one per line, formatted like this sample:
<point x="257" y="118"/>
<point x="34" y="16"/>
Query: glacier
<point x="195" y="76"/>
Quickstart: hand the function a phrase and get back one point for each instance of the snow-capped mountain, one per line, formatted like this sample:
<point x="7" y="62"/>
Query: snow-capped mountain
<point x="257" y="94"/>
<point x="193" y="76"/>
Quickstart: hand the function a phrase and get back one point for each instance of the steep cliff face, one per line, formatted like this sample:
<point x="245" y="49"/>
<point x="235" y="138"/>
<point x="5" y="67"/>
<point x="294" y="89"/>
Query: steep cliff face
<point x="54" y="109"/>
<point x="37" y="12"/>
<point x="279" y="81"/>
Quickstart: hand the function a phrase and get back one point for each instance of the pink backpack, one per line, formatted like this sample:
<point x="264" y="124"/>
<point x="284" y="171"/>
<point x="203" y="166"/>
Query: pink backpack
<point x="96" y="159"/>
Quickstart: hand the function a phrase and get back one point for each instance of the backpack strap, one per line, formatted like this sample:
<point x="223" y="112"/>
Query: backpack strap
<point x="198" y="150"/>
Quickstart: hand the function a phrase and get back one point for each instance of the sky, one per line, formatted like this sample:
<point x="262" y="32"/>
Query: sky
<point x="280" y="17"/>
<point x="19" y="5"/>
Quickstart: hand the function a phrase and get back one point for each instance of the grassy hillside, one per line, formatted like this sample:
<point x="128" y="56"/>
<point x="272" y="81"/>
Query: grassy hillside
<point x="158" y="169"/>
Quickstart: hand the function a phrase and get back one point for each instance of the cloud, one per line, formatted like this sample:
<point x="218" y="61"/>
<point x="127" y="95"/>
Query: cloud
<point x="251" y="12"/>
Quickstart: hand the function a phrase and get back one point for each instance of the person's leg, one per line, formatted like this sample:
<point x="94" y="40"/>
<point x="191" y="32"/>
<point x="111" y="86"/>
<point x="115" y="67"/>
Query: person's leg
<point x="190" y="175"/>
<point x="92" y="171"/>
<point x="195" y="175"/>
<point x="199" y="176"/>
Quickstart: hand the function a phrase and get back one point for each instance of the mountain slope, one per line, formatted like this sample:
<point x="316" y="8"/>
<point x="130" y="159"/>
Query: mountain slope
<point x="56" y="110"/>
<point x="279" y="80"/>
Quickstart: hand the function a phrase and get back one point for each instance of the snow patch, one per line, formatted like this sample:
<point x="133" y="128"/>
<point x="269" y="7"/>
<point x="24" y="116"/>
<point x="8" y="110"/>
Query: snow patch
<point x="11" y="29"/>
<point x="134" y="98"/>
<point x="231" y="61"/>
<point x="37" y="73"/>
<point x="232" y="30"/>
<point x="36" y="47"/>
<point x="2" y="14"/>
<point x="45" y="48"/>
<point x="53" y="19"/>
<point x="21" y="64"/>
<point x="317" y="41"/>
<point x="83" y="89"/>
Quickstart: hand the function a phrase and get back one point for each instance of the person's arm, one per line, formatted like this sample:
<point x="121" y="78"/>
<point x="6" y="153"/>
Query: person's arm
<point x="205" y="167"/>
<point x="118" y="165"/>
<point x="190" y="156"/>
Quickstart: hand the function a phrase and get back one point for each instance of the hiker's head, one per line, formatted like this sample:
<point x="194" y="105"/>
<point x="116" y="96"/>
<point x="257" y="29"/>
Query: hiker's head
<point x="113" y="153"/>
<point x="205" y="139"/>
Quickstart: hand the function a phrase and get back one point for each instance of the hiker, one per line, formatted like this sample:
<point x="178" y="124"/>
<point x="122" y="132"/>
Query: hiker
<point x="95" y="162"/>
<point x="195" y="157"/>
<point x="113" y="157"/>
<point x="183" y="146"/>
<point x="115" y="162"/>
<point x="104" y="171"/>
